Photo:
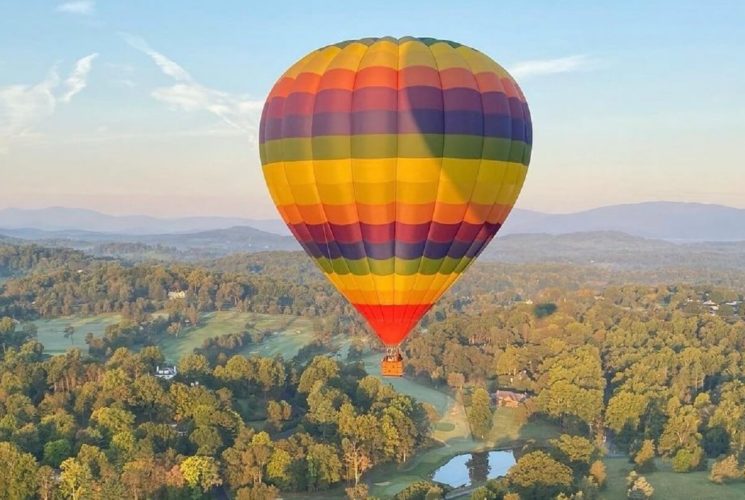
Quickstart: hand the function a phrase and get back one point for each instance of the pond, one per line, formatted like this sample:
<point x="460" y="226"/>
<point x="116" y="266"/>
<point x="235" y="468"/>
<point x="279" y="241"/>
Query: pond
<point x="474" y="468"/>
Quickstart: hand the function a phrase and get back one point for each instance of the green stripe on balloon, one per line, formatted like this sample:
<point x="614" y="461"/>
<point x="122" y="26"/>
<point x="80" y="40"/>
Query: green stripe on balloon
<point x="340" y="147"/>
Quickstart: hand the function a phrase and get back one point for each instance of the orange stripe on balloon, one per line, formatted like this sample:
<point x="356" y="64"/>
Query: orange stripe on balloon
<point x="381" y="76"/>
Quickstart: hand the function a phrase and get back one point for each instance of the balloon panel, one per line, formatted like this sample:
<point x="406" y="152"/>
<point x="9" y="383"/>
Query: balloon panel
<point x="394" y="162"/>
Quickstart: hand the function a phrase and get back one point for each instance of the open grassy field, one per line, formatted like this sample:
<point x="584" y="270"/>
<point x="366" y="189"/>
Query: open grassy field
<point x="510" y="427"/>
<point x="439" y="399"/>
<point x="291" y="334"/>
<point x="668" y="484"/>
<point x="51" y="332"/>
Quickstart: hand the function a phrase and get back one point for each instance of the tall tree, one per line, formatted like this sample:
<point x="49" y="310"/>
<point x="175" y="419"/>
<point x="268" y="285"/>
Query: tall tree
<point x="480" y="413"/>
<point x="200" y="472"/>
<point x="18" y="479"/>
<point x="537" y="476"/>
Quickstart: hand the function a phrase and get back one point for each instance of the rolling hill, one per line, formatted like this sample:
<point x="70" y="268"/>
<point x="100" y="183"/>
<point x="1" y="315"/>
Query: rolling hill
<point x="62" y="219"/>
<point x="672" y="221"/>
<point x="660" y="220"/>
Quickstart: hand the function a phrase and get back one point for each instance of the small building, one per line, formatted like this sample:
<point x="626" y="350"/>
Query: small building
<point x="165" y="372"/>
<point x="509" y="399"/>
<point x="181" y="294"/>
<point x="178" y="430"/>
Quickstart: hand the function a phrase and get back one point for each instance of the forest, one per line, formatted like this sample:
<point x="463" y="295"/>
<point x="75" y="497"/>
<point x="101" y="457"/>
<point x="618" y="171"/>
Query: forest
<point x="642" y="366"/>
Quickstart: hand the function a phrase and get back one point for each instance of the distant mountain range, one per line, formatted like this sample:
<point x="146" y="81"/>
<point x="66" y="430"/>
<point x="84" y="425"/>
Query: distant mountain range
<point x="643" y="236"/>
<point x="671" y="221"/>
<point x="660" y="220"/>
<point x="77" y="219"/>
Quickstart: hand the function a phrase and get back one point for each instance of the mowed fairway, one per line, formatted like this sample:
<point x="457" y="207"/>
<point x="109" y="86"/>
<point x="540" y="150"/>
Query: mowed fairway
<point x="669" y="484"/>
<point x="51" y="332"/>
<point x="440" y="400"/>
<point x="291" y="334"/>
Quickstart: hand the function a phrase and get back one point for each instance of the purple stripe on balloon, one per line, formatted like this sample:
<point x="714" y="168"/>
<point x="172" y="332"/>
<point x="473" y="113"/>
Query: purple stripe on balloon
<point x="384" y="233"/>
<point x="421" y="97"/>
<point x="299" y="103"/>
<point x="462" y="99"/>
<point x="390" y="122"/>
<point x="333" y="101"/>
<point x="456" y="248"/>
<point x="374" y="98"/>
<point x="495" y="103"/>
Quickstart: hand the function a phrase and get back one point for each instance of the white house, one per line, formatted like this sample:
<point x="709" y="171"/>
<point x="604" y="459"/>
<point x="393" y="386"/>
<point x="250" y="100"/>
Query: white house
<point x="165" y="372"/>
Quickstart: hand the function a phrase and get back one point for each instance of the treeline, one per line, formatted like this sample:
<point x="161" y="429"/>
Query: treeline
<point x="76" y="427"/>
<point x="18" y="259"/>
<point x="66" y="282"/>
<point x="646" y="371"/>
<point x="105" y="286"/>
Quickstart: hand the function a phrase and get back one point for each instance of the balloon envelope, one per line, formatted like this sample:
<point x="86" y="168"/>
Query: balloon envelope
<point x="394" y="162"/>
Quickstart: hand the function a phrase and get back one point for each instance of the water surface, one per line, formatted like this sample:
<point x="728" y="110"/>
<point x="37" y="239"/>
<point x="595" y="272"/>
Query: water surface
<point x="474" y="468"/>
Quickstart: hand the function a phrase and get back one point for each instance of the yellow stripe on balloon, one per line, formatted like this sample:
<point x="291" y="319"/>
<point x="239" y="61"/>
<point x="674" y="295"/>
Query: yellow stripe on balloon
<point x="408" y="180"/>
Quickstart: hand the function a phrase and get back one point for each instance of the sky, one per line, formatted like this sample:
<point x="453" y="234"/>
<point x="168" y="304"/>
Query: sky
<point x="152" y="107"/>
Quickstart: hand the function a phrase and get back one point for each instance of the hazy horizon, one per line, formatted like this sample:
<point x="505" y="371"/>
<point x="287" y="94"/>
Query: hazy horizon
<point x="276" y="216"/>
<point x="139" y="109"/>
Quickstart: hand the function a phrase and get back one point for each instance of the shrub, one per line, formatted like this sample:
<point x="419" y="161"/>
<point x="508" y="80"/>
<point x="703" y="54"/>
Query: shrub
<point x="725" y="470"/>
<point x="638" y="487"/>
<point x="687" y="459"/>
<point x="644" y="458"/>
<point x="598" y="473"/>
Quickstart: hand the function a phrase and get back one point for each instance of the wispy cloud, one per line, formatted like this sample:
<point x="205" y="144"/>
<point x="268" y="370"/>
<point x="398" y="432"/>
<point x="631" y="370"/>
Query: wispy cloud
<point x="238" y="111"/>
<point x="23" y="107"/>
<point x="80" y="7"/>
<point x="78" y="79"/>
<point x="540" y="67"/>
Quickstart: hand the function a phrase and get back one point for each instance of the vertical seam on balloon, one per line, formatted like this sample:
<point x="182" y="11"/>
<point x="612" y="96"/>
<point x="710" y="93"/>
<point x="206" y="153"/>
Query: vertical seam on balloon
<point x="327" y="225"/>
<point x="396" y="312"/>
<point x="524" y="115"/>
<point x="417" y="276"/>
<point x="501" y="187"/>
<point x="312" y="242"/>
<point x="456" y="276"/>
<point x="437" y="293"/>
<point x="514" y="187"/>
<point x="370" y="276"/>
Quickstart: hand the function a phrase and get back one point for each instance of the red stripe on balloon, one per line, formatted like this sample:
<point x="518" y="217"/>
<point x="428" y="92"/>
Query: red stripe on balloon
<point x="393" y="322"/>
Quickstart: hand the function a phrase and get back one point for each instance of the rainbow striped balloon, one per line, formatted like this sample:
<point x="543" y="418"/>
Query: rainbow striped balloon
<point x="394" y="162"/>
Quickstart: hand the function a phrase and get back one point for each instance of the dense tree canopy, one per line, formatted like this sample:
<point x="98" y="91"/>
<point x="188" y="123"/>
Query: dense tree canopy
<point x="615" y="359"/>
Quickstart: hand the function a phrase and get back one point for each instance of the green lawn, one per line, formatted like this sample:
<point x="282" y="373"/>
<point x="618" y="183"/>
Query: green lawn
<point x="291" y="333"/>
<point x="509" y="427"/>
<point x="51" y="331"/>
<point x="386" y="480"/>
<point x="668" y="484"/>
<point x="439" y="399"/>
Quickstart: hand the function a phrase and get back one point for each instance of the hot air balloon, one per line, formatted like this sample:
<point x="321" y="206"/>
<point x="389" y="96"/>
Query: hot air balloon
<point x="394" y="162"/>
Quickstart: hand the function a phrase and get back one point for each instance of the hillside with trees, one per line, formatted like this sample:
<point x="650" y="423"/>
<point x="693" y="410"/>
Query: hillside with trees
<point x="639" y="366"/>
